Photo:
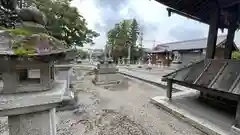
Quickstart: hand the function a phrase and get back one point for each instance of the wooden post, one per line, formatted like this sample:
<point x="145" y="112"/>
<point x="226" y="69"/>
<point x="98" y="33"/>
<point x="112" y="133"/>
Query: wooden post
<point x="237" y="118"/>
<point x="212" y="34"/>
<point x="231" y="33"/>
<point x="169" y="89"/>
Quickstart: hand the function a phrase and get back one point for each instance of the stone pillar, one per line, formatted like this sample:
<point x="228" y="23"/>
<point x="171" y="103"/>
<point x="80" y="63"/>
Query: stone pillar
<point x="212" y="34"/>
<point x="32" y="113"/>
<point x="45" y="73"/>
<point x="64" y="72"/>
<point x="231" y="33"/>
<point x="37" y="123"/>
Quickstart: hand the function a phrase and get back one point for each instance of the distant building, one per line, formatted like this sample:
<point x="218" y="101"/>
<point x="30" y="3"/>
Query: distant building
<point x="188" y="51"/>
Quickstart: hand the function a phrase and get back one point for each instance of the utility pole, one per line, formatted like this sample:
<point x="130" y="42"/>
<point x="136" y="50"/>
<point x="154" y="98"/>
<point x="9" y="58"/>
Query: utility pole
<point x="105" y="52"/>
<point x="141" y="45"/>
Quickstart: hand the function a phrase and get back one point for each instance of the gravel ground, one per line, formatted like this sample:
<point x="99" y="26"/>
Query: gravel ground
<point x="123" y="109"/>
<point x="112" y="110"/>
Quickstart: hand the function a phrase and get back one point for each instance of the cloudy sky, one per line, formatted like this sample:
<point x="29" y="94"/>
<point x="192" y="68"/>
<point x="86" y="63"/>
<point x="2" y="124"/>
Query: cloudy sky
<point x="101" y="16"/>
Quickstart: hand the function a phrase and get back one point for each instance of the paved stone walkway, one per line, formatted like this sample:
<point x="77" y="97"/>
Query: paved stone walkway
<point x="152" y="77"/>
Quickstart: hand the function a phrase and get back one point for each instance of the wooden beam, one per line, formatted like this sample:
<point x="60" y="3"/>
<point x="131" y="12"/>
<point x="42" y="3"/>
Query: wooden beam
<point x="185" y="15"/>
<point x="231" y="33"/>
<point x="204" y="70"/>
<point x="215" y="92"/>
<point x="218" y="74"/>
<point x="235" y="83"/>
<point x="213" y="32"/>
<point x="237" y="117"/>
<point x="169" y="88"/>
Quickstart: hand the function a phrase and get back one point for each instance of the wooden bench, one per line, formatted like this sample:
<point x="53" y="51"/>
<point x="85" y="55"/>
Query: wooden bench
<point x="220" y="78"/>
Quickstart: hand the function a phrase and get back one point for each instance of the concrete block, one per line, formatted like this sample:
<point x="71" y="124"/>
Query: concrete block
<point x="199" y="123"/>
<point x="25" y="100"/>
<point x="106" y="68"/>
<point x="107" y="78"/>
<point x="37" y="123"/>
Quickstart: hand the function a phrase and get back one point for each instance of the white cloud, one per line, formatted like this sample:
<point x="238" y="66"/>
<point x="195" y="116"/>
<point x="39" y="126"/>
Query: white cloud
<point x="88" y="9"/>
<point x="150" y="14"/>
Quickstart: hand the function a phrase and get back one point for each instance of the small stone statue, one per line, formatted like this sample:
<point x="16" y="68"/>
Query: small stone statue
<point x="29" y="14"/>
<point x="32" y="14"/>
<point x="9" y="4"/>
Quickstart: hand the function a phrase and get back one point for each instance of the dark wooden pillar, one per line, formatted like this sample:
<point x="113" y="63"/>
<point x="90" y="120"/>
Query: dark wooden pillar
<point x="169" y="88"/>
<point x="237" y="117"/>
<point x="212" y="34"/>
<point x="212" y="37"/>
<point x="231" y="33"/>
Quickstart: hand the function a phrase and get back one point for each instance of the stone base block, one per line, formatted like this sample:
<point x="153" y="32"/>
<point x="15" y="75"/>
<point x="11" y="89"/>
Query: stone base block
<point x="235" y="131"/>
<point x="101" y="79"/>
<point x="107" y="70"/>
<point x="38" y="123"/>
<point x="28" y="86"/>
<point x="24" y="101"/>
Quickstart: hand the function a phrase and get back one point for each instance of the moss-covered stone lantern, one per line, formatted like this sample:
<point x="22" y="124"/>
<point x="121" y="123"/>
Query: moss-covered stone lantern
<point x="22" y="53"/>
<point x="30" y="93"/>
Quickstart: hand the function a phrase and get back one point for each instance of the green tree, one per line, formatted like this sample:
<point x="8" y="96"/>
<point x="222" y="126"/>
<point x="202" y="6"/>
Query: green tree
<point x="65" y="23"/>
<point x="123" y="32"/>
<point x="236" y="55"/>
<point x="82" y="54"/>
<point x="134" y="32"/>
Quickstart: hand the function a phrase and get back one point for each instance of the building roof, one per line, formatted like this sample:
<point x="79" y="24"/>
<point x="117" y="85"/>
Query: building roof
<point x="200" y="10"/>
<point x="147" y="50"/>
<point x="188" y="45"/>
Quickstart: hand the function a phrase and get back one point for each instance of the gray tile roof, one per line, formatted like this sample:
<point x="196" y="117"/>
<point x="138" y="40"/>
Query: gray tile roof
<point x="187" y="45"/>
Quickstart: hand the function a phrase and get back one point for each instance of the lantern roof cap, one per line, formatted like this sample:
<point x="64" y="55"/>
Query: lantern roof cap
<point x="20" y="42"/>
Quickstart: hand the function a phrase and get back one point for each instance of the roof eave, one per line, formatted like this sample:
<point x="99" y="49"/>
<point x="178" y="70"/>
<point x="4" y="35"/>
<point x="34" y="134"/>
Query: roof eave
<point x="170" y="10"/>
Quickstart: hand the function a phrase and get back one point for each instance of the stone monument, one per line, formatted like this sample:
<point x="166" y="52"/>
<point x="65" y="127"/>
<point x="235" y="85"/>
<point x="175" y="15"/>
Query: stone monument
<point x="106" y="73"/>
<point x="30" y="93"/>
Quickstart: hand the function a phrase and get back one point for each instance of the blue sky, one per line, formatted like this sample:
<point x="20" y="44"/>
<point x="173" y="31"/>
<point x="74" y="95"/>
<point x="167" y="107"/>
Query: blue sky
<point x="101" y="16"/>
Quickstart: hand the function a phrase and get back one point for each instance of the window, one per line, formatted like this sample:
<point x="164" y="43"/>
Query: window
<point x="29" y="76"/>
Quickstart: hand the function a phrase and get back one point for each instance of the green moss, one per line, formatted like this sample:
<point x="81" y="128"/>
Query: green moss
<point x="236" y="55"/>
<point x="26" y="45"/>
<point x="19" y="32"/>
<point x="2" y="28"/>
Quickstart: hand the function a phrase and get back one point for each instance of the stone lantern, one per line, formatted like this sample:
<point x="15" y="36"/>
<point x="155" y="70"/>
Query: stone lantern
<point x="30" y="93"/>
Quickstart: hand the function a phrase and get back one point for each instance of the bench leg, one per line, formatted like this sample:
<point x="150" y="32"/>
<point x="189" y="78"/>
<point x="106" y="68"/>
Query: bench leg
<point x="235" y="130"/>
<point x="169" y="89"/>
<point x="237" y="118"/>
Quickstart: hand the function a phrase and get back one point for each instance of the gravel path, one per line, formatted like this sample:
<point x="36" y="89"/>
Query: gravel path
<point x="120" y="110"/>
